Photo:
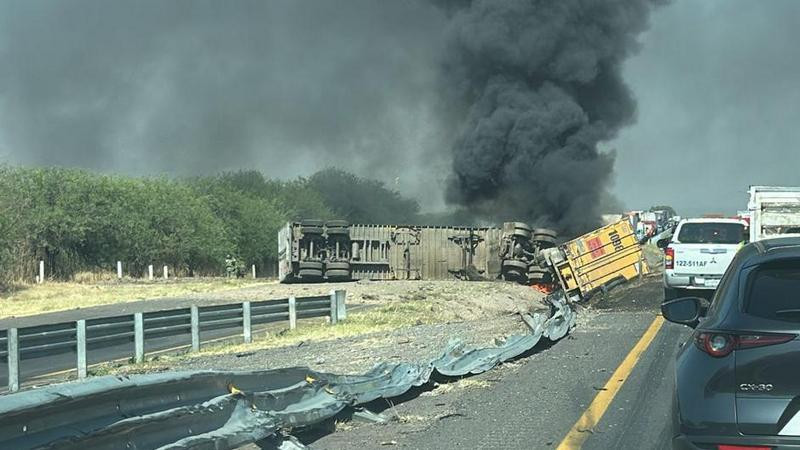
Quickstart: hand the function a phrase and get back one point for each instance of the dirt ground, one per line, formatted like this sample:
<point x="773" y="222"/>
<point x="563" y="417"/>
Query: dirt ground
<point x="478" y="313"/>
<point x="471" y="300"/>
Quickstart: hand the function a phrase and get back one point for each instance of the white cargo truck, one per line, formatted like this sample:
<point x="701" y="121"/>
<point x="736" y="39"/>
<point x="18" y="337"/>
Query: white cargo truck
<point x="774" y="212"/>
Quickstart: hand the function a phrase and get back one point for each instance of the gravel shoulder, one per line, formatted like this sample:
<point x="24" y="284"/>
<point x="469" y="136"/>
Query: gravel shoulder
<point x="392" y="321"/>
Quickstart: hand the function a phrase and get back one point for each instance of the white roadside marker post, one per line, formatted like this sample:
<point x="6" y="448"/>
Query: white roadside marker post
<point x="119" y="270"/>
<point x="292" y="313"/>
<point x="246" y="323"/>
<point x="80" y="339"/>
<point x="150" y="272"/>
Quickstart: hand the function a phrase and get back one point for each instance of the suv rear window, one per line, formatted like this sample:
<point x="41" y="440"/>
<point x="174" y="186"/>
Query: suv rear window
<point x="773" y="291"/>
<point x="711" y="233"/>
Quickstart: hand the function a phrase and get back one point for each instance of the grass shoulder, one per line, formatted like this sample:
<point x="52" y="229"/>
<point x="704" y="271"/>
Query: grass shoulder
<point x="30" y="299"/>
<point x="375" y="320"/>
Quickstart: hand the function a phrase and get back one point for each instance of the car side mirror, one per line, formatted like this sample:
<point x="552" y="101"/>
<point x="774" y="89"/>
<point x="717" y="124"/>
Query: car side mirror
<point x="685" y="311"/>
<point x="663" y="243"/>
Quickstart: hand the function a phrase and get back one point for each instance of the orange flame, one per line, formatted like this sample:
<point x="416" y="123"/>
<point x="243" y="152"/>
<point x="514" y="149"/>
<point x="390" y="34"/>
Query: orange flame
<point x="544" y="288"/>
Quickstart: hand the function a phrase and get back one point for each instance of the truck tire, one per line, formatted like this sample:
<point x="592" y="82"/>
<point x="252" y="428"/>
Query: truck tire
<point x="544" y="241"/>
<point x="338" y="232"/>
<point x="515" y="265"/>
<point x="545" y="232"/>
<point x="311" y="223"/>
<point x="519" y="232"/>
<point x="337" y="224"/>
<point x="310" y="274"/>
<point x="338" y="265"/>
<point x="311" y="265"/>
<point x="539" y="275"/>
<point x="309" y="230"/>
<point x="337" y="274"/>
<point x="513" y="275"/>
<point x="521" y="226"/>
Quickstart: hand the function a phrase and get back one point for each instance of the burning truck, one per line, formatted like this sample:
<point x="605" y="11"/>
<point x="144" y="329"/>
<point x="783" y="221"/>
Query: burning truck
<point x="311" y="251"/>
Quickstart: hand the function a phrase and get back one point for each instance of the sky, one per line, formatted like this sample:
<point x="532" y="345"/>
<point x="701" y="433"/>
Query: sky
<point x="155" y="87"/>
<point x="718" y="90"/>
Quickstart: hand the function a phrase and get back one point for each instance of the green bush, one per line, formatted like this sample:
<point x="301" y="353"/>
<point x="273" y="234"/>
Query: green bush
<point x="80" y="221"/>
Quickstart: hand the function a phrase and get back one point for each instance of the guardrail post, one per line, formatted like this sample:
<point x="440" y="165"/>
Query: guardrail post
<point x="341" y="309"/>
<point x="195" y="328"/>
<point x="292" y="313"/>
<point x="246" y="323"/>
<point x="334" y="309"/>
<point x="80" y="338"/>
<point x="138" y="338"/>
<point x="12" y="343"/>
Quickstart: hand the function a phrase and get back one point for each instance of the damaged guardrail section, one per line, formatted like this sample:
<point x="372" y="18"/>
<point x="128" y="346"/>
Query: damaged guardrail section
<point x="228" y="409"/>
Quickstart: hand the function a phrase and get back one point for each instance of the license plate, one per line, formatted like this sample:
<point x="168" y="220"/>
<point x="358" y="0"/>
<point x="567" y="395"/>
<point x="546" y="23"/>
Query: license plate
<point x="712" y="282"/>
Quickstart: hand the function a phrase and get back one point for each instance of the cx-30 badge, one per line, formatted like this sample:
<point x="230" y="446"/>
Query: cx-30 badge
<point x="752" y="387"/>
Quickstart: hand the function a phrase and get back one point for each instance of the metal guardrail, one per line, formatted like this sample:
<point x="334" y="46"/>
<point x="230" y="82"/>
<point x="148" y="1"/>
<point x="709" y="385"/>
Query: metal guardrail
<point x="226" y="410"/>
<point x="83" y="336"/>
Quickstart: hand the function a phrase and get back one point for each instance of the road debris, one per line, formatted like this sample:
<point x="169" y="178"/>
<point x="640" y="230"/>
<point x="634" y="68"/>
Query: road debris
<point x="154" y="410"/>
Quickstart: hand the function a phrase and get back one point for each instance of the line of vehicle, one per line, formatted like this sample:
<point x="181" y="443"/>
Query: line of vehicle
<point x="581" y="430"/>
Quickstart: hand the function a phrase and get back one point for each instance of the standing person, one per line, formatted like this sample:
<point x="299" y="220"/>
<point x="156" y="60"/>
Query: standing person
<point x="230" y="266"/>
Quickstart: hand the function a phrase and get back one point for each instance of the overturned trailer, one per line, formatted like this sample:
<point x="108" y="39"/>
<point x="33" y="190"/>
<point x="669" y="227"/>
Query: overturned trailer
<point x="315" y="251"/>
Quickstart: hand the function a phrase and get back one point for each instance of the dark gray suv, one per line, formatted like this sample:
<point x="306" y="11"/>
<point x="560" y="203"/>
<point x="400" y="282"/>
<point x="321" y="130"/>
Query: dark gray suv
<point x="738" y="378"/>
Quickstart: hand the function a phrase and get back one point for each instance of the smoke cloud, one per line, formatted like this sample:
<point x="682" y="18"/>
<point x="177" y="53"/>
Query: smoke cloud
<point x="287" y="87"/>
<point x="540" y="85"/>
<point x="498" y="104"/>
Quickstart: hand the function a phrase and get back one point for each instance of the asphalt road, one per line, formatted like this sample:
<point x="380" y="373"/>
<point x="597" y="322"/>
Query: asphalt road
<point x="534" y="402"/>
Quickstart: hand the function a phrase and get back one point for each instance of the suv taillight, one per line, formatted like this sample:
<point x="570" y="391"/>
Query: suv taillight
<point x="719" y="345"/>
<point x="669" y="258"/>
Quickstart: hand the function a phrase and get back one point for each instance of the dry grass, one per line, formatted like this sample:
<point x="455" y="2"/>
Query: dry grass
<point x="27" y="300"/>
<point x="464" y="383"/>
<point x="383" y="318"/>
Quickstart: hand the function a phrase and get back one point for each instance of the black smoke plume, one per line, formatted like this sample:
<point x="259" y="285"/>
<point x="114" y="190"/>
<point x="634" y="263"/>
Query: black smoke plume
<point x="539" y="85"/>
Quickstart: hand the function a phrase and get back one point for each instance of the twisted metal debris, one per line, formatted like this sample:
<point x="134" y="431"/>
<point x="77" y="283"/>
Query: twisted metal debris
<point x="222" y="410"/>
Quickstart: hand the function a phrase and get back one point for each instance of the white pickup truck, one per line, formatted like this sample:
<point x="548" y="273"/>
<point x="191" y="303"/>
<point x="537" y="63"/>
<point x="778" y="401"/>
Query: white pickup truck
<point x="697" y="255"/>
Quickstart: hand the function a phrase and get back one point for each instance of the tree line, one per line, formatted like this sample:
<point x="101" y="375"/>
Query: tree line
<point x="77" y="220"/>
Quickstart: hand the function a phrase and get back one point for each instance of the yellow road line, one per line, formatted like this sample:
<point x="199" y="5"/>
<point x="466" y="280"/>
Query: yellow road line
<point x="591" y="417"/>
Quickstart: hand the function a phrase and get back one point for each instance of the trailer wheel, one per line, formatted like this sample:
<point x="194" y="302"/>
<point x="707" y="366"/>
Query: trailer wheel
<point x="539" y="275"/>
<point x="310" y="274"/>
<point x="312" y="265"/>
<point x="516" y="265"/>
<point x="338" y="232"/>
<point x="519" y="232"/>
<point x="513" y="275"/>
<point x="311" y="230"/>
<point x="545" y="232"/>
<point x="337" y="224"/>
<point x="337" y="274"/>
<point x="312" y="223"/>
<point x="522" y="226"/>
<point x="544" y="241"/>
<point x="338" y="265"/>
